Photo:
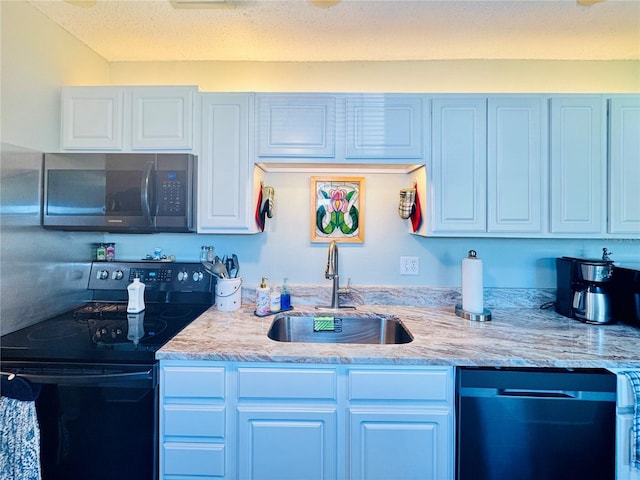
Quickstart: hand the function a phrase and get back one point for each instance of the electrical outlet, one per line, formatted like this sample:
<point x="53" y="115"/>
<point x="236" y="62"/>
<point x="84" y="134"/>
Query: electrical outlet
<point x="409" y="266"/>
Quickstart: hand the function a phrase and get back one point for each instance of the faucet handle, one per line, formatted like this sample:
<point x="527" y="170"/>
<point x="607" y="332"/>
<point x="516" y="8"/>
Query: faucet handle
<point x="346" y="290"/>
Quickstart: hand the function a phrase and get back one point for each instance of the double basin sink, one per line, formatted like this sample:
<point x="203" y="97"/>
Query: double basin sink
<point x="334" y="327"/>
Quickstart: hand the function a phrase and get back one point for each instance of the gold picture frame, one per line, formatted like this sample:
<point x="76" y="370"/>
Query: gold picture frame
<point x="337" y="209"/>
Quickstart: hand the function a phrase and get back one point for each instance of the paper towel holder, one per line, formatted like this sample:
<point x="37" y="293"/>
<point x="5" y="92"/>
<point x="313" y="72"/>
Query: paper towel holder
<point x="485" y="316"/>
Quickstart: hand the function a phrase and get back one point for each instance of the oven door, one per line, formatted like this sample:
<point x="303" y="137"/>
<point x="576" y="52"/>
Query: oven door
<point x="96" y="421"/>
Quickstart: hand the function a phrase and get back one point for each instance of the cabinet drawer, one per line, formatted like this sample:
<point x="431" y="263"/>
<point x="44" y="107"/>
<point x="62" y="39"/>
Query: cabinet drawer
<point x="204" y="459"/>
<point x="400" y="385"/>
<point x="203" y="382"/>
<point x="194" y="420"/>
<point x="286" y="383"/>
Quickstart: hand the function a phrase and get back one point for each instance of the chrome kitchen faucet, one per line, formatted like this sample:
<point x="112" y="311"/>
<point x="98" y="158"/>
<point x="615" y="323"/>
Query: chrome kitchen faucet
<point x="332" y="273"/>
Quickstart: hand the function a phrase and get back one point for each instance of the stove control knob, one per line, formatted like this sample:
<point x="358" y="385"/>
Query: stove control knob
<point x="102" y="275"/>
<point x="183" y="276"/>
<point x="117" y="275"/>
<point x="197" y="276"/>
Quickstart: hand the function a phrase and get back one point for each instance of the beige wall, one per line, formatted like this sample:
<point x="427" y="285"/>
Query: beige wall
<point x="37" y="58"/>
<point x="433" y="76"/>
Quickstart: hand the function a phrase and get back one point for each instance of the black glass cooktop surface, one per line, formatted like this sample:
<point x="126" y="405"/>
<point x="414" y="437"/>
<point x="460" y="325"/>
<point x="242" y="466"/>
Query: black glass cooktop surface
<point x="100" y="332"/>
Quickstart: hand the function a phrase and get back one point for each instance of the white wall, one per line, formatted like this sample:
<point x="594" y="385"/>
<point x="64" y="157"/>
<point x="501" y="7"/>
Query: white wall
<point x="420" y="76"/>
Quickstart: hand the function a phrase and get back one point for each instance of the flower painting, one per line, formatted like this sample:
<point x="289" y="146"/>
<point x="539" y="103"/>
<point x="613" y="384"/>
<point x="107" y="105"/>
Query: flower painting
<point x="337" y="209"/>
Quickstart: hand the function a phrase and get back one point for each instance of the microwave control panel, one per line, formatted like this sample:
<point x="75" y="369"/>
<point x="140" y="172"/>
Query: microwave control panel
<point x="171" y="188"/>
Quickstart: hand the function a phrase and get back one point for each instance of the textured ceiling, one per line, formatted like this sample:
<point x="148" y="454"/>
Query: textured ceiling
<point x="352" y="30"/>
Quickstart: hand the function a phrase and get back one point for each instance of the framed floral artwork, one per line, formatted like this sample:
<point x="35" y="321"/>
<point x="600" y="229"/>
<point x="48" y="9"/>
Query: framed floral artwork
<point x="337" y="209"/>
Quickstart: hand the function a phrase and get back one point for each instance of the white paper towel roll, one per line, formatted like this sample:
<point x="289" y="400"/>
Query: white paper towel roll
<point x="472" y="296"/>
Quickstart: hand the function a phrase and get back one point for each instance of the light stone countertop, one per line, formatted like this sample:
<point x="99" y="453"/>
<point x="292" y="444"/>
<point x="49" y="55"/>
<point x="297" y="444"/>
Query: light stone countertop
<point x="520" y="337"/>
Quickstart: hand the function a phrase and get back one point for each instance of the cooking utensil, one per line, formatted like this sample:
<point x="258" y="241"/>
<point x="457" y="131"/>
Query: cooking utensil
<point x="236" y="265"/>
<point x="215" y="269"/>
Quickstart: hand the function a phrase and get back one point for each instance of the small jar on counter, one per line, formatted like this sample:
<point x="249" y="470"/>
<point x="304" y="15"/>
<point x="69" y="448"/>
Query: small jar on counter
<point x="101" y="252"/>
<point x="110" y="252"/>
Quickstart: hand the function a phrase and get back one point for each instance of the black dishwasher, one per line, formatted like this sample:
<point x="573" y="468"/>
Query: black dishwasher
<point x="535" y="424"/>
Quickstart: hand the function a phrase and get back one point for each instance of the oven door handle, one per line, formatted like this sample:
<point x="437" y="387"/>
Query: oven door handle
<point x="83" y="379"/>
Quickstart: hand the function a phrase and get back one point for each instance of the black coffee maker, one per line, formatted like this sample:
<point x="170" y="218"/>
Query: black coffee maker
<point x="583" y="288"/>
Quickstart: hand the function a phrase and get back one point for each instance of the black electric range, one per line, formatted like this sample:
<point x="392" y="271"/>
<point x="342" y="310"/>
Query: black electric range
<point x="93" y="374"/>
<point x="103" y="331"/>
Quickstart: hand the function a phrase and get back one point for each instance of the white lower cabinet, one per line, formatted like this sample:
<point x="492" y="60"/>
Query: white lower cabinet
<point x="192" y="421"/>
<point x="311" y="421"/>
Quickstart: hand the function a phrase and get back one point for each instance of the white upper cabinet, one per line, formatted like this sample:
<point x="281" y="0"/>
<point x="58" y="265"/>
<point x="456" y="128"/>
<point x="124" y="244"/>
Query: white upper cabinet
<point x="515" y="167"/>
<point x="578" y="164"/>
<point x="384" y="126"/>
<point x="228" y="181"/>
<point x="459" y="165"/>
<point x="296" y="125"/>
<point x="162" y="118"/>
<point x="128" y="118"/>
<point x="92" y="118"/>
<point x="624" y="165"/>
<point x="340" y="128"/>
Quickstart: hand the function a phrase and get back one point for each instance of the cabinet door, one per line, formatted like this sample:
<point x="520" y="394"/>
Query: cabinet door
<point x="514" y="165"/>
<point x="384" y="126"/>
<point x="624" y="165"/>
<point x="225" y="175"/>
<point x="287" y="443"/>
<point x="578" y="167"/>
<point x="296" y="125"/>
<point x="92" y="118"/>
<point x="162" y="118"/>
<point x="459" y="165"/>
<point x="399" y="443"/>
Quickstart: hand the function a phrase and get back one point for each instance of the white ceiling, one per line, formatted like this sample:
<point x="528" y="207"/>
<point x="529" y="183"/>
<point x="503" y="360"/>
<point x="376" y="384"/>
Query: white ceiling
<point x="353" y="30"/>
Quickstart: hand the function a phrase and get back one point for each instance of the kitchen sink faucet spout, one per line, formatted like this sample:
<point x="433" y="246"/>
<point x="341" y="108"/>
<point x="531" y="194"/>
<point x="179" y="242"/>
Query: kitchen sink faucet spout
<point x="332" y="273"/>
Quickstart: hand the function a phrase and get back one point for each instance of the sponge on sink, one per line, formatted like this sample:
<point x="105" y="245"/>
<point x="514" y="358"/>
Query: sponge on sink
<point x="324" y="324"/>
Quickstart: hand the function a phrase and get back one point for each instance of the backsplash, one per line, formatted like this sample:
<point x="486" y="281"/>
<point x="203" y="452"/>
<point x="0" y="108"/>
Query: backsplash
<point x="412" y="296"/>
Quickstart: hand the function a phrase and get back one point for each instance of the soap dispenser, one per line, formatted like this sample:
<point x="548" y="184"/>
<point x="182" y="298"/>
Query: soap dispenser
<point x="285" y="297"/>
<point x="263" y="298"/>
<point x="136" y="296"/>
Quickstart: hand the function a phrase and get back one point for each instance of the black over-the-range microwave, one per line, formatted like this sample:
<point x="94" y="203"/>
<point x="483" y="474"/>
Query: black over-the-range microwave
<point x="119" y="192"/>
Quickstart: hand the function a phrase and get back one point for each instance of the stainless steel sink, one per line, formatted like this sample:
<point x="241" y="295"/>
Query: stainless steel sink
<point x="336" y="328"/>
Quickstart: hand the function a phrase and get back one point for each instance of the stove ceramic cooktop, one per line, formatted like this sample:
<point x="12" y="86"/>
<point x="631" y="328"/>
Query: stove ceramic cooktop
<point x="100" y="332"/>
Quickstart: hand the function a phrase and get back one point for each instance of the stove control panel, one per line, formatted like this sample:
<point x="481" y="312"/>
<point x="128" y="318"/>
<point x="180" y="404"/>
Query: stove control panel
<point x="162" y="276"/>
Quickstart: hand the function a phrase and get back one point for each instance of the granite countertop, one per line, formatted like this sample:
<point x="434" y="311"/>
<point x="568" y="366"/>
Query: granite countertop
<point x="522" y="337"/>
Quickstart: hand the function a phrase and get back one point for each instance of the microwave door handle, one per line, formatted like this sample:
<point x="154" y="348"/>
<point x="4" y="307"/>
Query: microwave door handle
<point x="145" y="187"/>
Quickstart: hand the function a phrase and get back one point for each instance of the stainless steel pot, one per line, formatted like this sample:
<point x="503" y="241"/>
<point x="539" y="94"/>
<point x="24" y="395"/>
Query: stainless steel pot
<point x="595" y="271"/>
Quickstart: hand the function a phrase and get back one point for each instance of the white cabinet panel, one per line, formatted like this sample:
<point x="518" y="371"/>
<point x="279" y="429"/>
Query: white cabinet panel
<point x="624" y="165"/>
<point x="92" y="118"/>
<point x="384" y="126"/>
<point x="459" y="165"/>
<point x="400" y="443"/>
<point x="296" y="125"/>
<point x="578" y="166"/>
<point x="186" y="460"/>
<point x="162" y="118"/>
<point x="287" y="442"/>
<point x="514" y="164"/>
<point x="226" y="181"/>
